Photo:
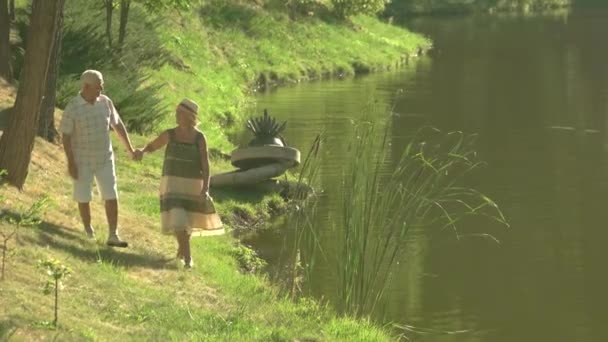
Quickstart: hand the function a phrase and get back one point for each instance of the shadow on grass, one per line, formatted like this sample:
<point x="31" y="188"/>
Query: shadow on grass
<point x="119" y="257"/>
<point x="75" y="243"/>
<point x="8" y="328"/>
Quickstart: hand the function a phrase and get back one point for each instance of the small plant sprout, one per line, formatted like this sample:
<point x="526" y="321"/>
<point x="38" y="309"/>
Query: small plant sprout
<point x="56" y="272"/>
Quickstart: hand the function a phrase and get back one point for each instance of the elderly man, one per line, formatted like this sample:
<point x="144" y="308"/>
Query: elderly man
<point x="85" y="126"/>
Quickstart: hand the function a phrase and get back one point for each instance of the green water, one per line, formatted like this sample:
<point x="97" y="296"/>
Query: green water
<point x="535" y="89"/>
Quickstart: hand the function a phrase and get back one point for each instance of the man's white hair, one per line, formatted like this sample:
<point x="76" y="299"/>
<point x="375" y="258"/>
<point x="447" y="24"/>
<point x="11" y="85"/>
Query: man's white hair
<point x="91" y="77"/>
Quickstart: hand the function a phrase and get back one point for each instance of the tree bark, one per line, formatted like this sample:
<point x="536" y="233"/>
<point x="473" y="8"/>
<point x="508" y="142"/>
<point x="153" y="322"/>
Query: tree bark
<point x="46" y="127"/>
<point x="124" y="19"/>
<point x="5" y="48"/>
<point x="11" y="9"/>
<point x="109" y="9"/>
<point x="17" y="142"/>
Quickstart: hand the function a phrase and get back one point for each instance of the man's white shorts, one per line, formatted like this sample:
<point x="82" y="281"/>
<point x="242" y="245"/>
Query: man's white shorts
<point x="105" y="176"/>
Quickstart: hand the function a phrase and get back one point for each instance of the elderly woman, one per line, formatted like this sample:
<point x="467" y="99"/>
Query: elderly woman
<point x="186" y="207"/>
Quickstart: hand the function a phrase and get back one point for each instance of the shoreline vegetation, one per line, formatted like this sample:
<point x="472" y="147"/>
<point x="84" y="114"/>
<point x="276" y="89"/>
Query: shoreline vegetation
<point x="220" y="54"/>
<point x="417" y="8"/>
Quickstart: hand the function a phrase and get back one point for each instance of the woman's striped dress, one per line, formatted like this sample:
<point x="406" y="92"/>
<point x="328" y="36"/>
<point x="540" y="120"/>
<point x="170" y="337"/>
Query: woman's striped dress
<point x="182" y="204"/>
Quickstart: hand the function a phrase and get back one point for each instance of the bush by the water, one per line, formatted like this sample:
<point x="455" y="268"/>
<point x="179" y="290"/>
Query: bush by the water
<point x="347" y="8"/>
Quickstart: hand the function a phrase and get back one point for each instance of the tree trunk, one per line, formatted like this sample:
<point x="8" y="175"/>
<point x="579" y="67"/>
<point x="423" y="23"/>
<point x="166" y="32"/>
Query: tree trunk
<point x="46" y="127"/>
<point x="109" y="8"/>
<point x="5" y="48"/>
<point x="11" y="9"/>
<point x="124" y="19"/>
<point x="17" y="142"/>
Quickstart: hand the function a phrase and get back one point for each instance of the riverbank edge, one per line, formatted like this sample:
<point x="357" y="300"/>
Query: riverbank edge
<point x="463" y="9"/>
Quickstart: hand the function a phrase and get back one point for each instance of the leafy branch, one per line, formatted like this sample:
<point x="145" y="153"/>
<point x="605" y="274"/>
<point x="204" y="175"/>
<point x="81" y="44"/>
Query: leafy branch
<point x="56" y="272"/>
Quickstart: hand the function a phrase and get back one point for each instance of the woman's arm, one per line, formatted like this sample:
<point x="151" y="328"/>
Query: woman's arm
<point x="202" y="147"/>
<point x="157" y="143"/>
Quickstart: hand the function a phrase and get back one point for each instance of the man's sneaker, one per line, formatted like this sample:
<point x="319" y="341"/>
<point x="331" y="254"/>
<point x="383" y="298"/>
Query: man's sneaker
<point x="90" y="232"/>
<point x="115" y="241"/>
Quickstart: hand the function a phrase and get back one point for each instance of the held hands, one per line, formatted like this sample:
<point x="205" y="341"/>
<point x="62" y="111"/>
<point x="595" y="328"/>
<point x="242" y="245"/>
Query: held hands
<point x="137" y="154"/>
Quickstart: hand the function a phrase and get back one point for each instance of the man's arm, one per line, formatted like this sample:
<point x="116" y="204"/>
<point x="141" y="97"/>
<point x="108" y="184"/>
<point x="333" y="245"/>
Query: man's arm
<point x="119" y="127"/>
<point x="66" y="127"/>
<point x="69" y="153"/>
<point x="124" y="137"/>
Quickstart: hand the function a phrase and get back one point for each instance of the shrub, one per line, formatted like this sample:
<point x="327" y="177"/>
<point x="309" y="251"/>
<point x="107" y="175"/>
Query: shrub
<point x="347" y="8"/>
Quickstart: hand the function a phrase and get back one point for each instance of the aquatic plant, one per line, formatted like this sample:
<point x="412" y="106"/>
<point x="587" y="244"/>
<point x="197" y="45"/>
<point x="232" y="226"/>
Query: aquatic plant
<point x="386" y="194"/>
<point x="266" y="130"/>
<point x="386" y="198"/>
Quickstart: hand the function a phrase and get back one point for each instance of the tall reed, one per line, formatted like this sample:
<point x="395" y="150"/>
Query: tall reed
<point x="386" y="195"/>
<point x="386" y="198"/>
<point x="305" y="246"/>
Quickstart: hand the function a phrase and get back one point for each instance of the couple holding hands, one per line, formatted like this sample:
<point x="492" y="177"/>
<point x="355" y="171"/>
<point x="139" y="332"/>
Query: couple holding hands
<point x="185" y="205"/>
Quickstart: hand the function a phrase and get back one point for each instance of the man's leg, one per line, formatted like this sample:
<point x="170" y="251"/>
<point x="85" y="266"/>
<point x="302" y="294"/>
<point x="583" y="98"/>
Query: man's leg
<point x="82" y="195"/>
<point x="106" y="182"/>
<point x="85" y="215"/>
<point x="112" y="215"/>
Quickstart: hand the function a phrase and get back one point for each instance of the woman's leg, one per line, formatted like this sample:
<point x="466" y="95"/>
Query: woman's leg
<point x="180" y="253"/>
<point x="185" y="237"/>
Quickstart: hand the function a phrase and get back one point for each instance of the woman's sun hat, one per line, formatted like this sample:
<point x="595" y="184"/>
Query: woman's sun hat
<point x="189" y="105"/>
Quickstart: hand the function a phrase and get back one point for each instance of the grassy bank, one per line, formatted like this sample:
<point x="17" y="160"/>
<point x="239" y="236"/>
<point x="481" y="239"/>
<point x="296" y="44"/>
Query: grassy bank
<point x="141" y="293"/>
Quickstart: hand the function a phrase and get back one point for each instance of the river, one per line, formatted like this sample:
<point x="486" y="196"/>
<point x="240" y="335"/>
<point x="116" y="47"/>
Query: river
<point x="535" y="90"/>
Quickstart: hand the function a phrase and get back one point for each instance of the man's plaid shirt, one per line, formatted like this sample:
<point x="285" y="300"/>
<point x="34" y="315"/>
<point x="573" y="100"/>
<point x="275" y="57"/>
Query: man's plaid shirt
<point x="89" y="126"/>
